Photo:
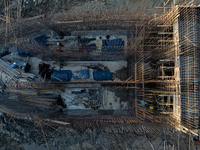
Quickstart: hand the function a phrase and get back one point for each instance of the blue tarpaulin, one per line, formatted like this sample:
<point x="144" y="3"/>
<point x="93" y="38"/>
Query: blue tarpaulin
<point x="81" y="74"/>
<point x="62" y="75"/>
<point x="113" y="45"/>
<point x="102" y="75"/>
<point x="42" y="40"/>
<point x="85" y="44"/>
<point x="22" y="53"/>
<point x="86" y="40"/>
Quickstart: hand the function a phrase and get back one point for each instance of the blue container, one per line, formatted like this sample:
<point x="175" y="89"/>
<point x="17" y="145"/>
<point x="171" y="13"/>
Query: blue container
<point x="81" y="74"/>
<point x="102" y="75"/>
<point x="63" y="75"/>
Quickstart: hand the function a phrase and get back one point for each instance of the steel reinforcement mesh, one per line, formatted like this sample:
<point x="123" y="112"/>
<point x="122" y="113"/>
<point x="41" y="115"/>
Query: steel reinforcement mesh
<point x="189" y="65"/>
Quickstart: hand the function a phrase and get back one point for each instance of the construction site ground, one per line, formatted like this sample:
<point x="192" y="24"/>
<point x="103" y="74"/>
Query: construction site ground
<point x="24" y="135"/>
<point x="121" y="113"/>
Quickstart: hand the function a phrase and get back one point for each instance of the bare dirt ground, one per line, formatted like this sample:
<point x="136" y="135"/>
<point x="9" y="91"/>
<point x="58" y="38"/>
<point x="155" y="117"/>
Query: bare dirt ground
<point x="30" y="8"/>
<point x="24" y="135"/>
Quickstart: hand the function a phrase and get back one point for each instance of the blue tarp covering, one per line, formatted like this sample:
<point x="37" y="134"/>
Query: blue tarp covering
<point x="81" y="74"/>
<point x="42" y="40"/>
<point x="113" y="45"/>
<point x="63" y="75"/>
<point x="22" y="53"/>
<point x="102" y="75"/>
<point x="86" y="40"/>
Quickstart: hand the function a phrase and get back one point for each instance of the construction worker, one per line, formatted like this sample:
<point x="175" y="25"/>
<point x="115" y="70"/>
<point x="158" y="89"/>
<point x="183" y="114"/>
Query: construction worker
<point x="13" y="65"/>
<point x="99" y="44"/>
<point x="151" y="107"/>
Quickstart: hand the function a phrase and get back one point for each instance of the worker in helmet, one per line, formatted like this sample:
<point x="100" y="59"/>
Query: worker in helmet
<point x="13" y="65"/>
